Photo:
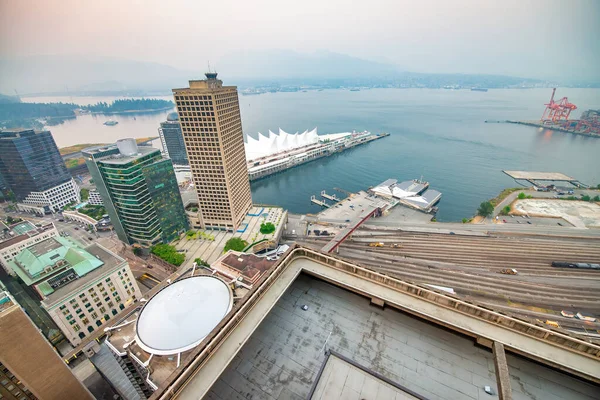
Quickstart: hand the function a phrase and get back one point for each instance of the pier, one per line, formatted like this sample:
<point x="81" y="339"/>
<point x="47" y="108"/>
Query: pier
<point x="571" y="126"/>
<point x="329" y="197"/>
<point x="284" y="160"/>
<point x="534" y="177"/>
<point x="314" y="199"/>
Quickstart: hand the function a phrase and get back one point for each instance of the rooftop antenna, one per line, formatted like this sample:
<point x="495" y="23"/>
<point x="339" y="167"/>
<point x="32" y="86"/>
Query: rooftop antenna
<point x="208" y="66"/>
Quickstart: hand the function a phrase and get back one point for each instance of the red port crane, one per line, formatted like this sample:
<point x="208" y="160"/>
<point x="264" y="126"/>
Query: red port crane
<point x="558" y="111"/>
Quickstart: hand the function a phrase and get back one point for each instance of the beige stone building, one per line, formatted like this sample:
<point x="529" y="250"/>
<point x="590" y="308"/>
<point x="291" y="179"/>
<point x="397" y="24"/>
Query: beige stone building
<point x="212" y="132"/>
<point x="17" y="237"/>
<point x="80" y="288"/>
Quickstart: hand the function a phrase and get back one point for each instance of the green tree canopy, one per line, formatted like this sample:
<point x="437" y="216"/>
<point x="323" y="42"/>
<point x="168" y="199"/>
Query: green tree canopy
<point x="485" y="209"/>
<point x="266" y="228"/>
<point x="236" y="244"/>
<point x="130" y="105"/>
<point x="201" y="262"/>
<point x="168" y="253"/>
<point x="522" y="196"/>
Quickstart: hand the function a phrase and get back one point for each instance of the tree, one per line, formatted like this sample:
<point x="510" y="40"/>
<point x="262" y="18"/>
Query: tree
<point x="236" y="244"/>
<point x="168" y="253"/>
<point x="137" y="251"/>
<point x="585" y="198"/>
<point x="505" y="210"/>
<point x="597" y="198"/>
<point x="522" y="196"/>
<point x="85" y="194"/>
<point x="266" y="228"/>
<point x="201" y="262"/>
<point x="190" y="234"/>
<point x="486" y="209"/>
<point x="464" y="220"/>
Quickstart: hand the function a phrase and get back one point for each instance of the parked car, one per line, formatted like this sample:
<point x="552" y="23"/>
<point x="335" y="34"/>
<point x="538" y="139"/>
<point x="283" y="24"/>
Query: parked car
<point x="76" y="228"/>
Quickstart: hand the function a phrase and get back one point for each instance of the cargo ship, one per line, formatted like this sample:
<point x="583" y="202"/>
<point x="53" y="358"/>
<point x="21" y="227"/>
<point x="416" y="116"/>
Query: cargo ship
<point x="478" y="89"/>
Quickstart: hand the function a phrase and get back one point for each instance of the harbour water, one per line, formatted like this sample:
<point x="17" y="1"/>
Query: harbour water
<point x="438" y="134"/>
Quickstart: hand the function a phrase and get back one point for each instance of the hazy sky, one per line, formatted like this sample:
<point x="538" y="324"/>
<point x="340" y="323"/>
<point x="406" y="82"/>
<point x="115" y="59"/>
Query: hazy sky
<point x="537" y="39"/>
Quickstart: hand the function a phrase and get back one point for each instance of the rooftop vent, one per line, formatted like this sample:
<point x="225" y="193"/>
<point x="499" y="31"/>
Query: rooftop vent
<point x="127" y="147"/>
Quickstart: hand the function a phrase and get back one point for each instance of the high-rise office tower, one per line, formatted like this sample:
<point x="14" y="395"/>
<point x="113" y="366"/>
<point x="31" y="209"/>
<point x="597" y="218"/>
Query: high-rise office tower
<point x="139" y="191"/>
<point x="210" y="119"/>
<point x="33" y="169"/>
<point x="172" y="140"/>
<point x="29" y="367"/>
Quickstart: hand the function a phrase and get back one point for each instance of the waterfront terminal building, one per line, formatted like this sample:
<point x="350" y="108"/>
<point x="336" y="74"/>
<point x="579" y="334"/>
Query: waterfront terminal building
<point x="139" y="191"/>
<point x="272" y="153"/>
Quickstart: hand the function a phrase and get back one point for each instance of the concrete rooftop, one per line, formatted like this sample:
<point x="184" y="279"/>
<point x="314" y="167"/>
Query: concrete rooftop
<point x="539" y="176"/>
<point x="284" y="355"/>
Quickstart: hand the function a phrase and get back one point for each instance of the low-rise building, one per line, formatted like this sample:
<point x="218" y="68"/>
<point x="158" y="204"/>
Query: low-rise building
<point x="56" y="197"/>
<point x="79" y="288"/>
<point x="94" y="198"/>
<point x="246" y="269"/>
<point x="15" y="238"/>
<point x="80" y="218"/>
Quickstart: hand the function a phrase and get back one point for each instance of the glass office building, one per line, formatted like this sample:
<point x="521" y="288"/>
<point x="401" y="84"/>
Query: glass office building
<point x="139" y="190"/>
<point x="172" y="140"/>
<point x="32" y="167"/>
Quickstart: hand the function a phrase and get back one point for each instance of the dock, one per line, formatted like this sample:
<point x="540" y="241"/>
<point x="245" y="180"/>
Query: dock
<point x="313" y="199"/>
<point x="534" y="177"/>
<point x="568" y="127"/>
<point x="347" y="193"/>
<point x="329" y="197"/>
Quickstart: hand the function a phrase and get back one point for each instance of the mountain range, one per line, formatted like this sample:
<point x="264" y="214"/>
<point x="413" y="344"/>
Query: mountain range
<point x="97" y="75"/>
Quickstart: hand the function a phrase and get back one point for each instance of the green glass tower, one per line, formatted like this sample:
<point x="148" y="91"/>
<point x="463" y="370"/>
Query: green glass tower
<point x="139" y="190"/>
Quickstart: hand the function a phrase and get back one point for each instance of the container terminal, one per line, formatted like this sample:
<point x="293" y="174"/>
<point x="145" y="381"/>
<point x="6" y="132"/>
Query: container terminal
<point x="274" y="153"/>
<point x="556" y="117"/>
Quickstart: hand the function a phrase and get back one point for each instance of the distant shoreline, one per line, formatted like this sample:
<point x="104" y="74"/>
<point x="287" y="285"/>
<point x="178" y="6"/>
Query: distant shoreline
<point x="133" y="111"/>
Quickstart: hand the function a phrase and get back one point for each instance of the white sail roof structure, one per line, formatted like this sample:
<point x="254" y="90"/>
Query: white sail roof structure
<point x="266" y="145"/>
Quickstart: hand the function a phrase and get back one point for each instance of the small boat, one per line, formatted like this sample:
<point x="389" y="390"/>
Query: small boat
<point x="478" y="89"/>
<point x="111" y="122"/>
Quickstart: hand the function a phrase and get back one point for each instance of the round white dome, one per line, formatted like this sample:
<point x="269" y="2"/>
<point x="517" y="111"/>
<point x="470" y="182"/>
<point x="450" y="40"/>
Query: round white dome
<point x="182" y="314"/>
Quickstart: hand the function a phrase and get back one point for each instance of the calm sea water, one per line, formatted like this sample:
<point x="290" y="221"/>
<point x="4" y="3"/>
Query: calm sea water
<point x="437" y="134"/>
